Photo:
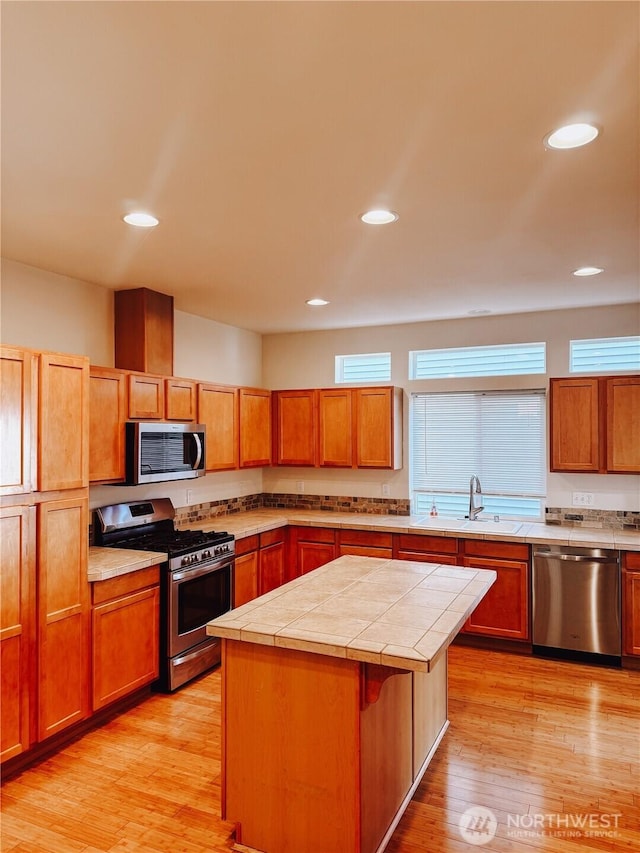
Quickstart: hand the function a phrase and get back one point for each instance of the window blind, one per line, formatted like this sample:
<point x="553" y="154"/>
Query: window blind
<point x="363" y="367"/>
<point x="501" y="360"/>
<point x="500" y="436"/>
<point x="603" y="355"/>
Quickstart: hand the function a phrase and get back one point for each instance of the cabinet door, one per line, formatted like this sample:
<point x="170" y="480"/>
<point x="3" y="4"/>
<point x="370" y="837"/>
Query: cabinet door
<point x="623" y="425"/>
<point x="504" y="611"/>
<point x="575" y="425"/>
<point x="374" y="427"/>
<point x="255" y="427"/>
<point x="107" y="416"/>
<point x="146" y="397"/>
<point x="180" y="400"/>
<point x="63" y="615"/>
<point x="295" y="427"/>
<point x="335" y="428"/>
<point x="17" y="421"/>
<point x="270" y="562"/>
<point x="126" y="636"/>
<point x="631" y="612"/>
<point x="312" y="555"/>
<point x="218" y="411"/>
<point x="17" y="628"/>
<point x="245" y="583"/>
<point x="63" y="420"/>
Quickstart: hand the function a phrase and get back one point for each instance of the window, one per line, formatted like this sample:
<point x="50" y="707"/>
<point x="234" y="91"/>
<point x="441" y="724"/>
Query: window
<point x="500" y="436"/>
<point x="603" y="355"/>
<point x="365" y="367"/>
<point x="503" y="360"/>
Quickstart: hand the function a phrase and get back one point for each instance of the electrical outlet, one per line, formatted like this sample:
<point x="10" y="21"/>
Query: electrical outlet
<point x="582" y="499"/>
<point x="386" y="491"/>
<point x="300" y="486"/>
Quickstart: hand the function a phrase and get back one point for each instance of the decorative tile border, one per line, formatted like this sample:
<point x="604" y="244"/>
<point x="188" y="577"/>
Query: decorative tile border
<point x="606" y="519"/>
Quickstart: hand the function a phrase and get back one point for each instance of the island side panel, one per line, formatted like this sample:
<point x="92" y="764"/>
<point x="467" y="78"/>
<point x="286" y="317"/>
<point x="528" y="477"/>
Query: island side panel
<point x="291" y="772"/>
<point x="429" y="710"/>
<point x="386" y="758"/>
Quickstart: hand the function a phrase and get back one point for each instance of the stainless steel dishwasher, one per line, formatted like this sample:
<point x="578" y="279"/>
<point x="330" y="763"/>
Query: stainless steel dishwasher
<point x="576" y="602"/>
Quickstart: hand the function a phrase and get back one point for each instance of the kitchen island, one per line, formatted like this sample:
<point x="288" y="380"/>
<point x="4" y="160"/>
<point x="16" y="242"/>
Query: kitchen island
<point x="334" y="700"/>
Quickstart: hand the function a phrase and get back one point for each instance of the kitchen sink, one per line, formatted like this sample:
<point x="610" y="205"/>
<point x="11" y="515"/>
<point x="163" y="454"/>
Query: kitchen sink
<point x="486" y="526"/>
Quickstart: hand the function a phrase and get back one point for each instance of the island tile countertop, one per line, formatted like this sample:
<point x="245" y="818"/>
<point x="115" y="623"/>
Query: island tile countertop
<point x="106" y="563"/>
<point x="397" y="613"/>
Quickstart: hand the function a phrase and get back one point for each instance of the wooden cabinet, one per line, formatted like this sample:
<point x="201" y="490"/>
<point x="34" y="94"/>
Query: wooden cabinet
<point x="339" y="427"/>
<point x="180" y="400"/>
<point x="63" y="615"/>
<point x="17" y="628"/>
<point x="295" y="427"/>
<point x="126" y="632"/>
<point x="146" y="397"/>
<point x="311" y="547"/>
<point x="595" y="424"/>
<point x="623" y="425"/>
<point x="271" y="560"/>
<point x="17" y="420"/>
<point x="631" y="603"/>
<point x="218" y="411"/>
<point x="504" y="611"/>
<point x="365" y="543"/>
<point x="335" y="428"/>
<point x="63" y="417"/>
<point x="377" y="416"/>
<point x="107" y="417"/>
<point x="255" y="427"/>
<point x="245" y="578"/>
<point x="425" y="549"/>
<point x="143" y="330"/>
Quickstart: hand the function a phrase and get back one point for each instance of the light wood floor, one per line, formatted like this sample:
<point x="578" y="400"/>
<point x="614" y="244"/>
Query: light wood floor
<point x="527" y="738"/>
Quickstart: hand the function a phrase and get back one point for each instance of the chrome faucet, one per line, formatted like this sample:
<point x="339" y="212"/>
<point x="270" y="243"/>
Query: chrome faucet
<point x="475" y="496"/>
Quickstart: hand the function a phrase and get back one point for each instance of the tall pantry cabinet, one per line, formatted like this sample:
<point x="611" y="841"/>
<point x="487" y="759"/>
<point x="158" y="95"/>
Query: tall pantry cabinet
<point x="45" y="602"/>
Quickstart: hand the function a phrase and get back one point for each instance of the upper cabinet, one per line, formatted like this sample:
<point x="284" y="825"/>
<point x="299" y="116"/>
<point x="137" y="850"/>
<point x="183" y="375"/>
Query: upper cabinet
<point x="63" y="416"/>
<point x="595" y="424"/>
<point x="254" y="407"/>
<point x="146" y="397"/>
<point x="339" y="427"/>
<point x="180" y="400"/>
<point x="17" y="420"/>
<point x="143" y="331"/>
<point x="218" y="411"/>
<point x="107" y="416"/>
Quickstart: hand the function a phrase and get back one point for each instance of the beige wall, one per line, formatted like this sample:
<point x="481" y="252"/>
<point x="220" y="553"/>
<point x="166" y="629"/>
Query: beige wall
<point x="307" y="360"/>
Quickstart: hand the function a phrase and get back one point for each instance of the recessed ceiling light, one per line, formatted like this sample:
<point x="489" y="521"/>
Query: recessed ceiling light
<point x="588" y="271"/>
<point x="571" y="136"/>
<point x="141" y="220"/>
<point x="379" y="217"/>
<point x="317" y="301"/>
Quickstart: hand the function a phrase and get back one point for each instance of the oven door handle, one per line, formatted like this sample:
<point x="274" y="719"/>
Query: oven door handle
<point x="198" y="571"/>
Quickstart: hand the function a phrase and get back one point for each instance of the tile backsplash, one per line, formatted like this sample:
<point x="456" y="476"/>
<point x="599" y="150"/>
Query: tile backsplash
<point x="606" y="519"/>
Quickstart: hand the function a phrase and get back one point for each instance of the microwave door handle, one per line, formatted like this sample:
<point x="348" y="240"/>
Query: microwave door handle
<point x="198" y="458"/>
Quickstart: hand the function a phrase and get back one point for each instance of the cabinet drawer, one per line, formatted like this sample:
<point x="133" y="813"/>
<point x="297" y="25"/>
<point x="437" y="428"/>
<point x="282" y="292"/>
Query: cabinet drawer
<point x="270" y="537"/>
<point x="426" y="557"/>
<point x="125" y="584"/>
<point x="365" y="537"/>
<point x="631" y="560"/>
<point x="314" y="534"/>
<point x="430" y="544"/>
<point x="491" y="548"/>
<point x="246" y="545"/>
<point x="364" y="551"/>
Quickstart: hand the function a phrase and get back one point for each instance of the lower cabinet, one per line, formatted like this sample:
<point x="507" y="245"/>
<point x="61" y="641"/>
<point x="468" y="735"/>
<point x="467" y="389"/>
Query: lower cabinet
<point x="310" y="547"/>
<point x="126" y="632"/>
<point x="631" y="603"/>
<point x="17" y="628"/>
<point x="271" y="560"/>
<point x="504" y="611"/>
<point x="245" y="577"/>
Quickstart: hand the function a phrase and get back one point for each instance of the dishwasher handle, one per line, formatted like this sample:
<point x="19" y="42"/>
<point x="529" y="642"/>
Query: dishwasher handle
<point x="573" y="558"/>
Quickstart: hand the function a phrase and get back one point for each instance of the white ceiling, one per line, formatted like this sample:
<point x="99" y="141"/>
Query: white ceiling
<point x="259" y="131"/>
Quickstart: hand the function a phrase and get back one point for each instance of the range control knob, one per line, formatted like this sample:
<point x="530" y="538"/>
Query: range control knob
<point x="194" y="558"/>
<point x="206" y="554"/>
<point x="185" y="561"/>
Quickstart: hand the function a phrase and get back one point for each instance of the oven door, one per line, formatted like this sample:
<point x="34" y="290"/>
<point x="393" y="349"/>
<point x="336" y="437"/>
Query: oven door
<point x="196" y="595"/>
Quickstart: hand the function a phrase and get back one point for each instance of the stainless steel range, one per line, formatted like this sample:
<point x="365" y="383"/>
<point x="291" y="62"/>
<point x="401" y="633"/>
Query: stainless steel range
<point x="196" y="581"/>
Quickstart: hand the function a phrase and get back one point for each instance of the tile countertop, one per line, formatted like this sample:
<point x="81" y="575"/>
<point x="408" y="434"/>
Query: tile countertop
<point x="259" y="521"/>
<point x="392" y="612"/>
<point x="106" y="563"/>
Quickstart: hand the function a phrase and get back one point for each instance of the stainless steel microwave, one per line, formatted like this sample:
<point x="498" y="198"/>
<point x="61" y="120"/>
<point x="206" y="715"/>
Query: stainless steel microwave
<point x="157" y="452"/>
